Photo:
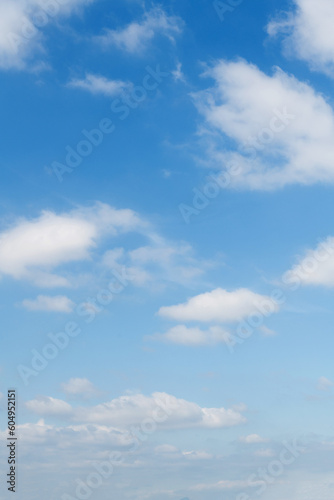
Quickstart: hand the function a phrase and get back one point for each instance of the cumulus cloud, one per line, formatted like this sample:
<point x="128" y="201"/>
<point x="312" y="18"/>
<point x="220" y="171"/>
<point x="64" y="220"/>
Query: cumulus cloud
<point x="308" y="33"/>
<point x="20" y="33"/>
<point x="48" y="406"/>
<point x="97" y="84"/>
<point x="184" y="335"/>
<point x="219" y="305"/>
<point x="270" y="122"/>
<point x="42" y="250"/>
<point x="169" y="411"/>
<point x="315" y="268"/>
<point x="136" y="36"/>
<point x="30" y="248"/>
<point x="59" y="303"/>
<point x="80" y="387"/>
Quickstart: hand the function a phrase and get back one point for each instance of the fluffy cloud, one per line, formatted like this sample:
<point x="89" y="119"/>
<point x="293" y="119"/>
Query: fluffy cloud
<point x="315" y="268"/>
<point x="308" y="33"/>
<point x="219" y="305"/>
<point x="169" y="411"/>
<point x="49" y="407"/>
<point x="183" y="335"/>
<point x="96" y="84"/>
<point x="135" y="37"/>
<point x="43" y="250"/>
<point x="59" y="303"/>
<point x="271" y="122"/>
<point x="31" y="248"/>
<point x="79" y="387"/>
<point x="21" y="23"/>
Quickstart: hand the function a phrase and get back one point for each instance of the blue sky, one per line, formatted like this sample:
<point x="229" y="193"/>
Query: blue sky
<point x="166" y="245"/>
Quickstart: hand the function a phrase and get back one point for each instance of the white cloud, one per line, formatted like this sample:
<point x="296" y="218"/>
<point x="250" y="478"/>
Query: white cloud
<point x="59" y="303"/>
<point x="161" y="261"/>
<point x="67" y="437"/>
<point x="171" y="412"/>
<point x="97" y="84"/>
<point x="316" y="267"/>
<point x="324" y="384"/>
<point x="183" y="335"/>
<point x="20" y="36"/>
<point x="282" y="130"/>
<point x="135" y="37"/>
<point x="218" y="305"/>
<point x="42" y="250"/>
<point x="308" y="33"/>
<point x="79" y="387"/>
<point x="47" y="406"/>
<point x="252" y="439"/>
<point x="178" y="73"/>
<point x="31" y="248"/>
<point x="46" y="241"/>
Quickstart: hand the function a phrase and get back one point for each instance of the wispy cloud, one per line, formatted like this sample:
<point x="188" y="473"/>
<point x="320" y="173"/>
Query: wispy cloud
<point x="136" y="36"/>
<point x="59" y="303"/>
<point x="97" y="84"/>
<point x="160" y="261"/>
<point x="178" y="74"/>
